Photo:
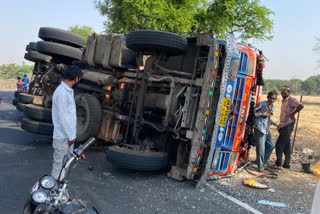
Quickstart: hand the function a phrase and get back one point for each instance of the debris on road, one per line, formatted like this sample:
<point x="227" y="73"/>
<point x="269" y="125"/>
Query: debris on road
<point x="271" y="190"/>
<point x="259" y="185"/>
<point x="271" y="203"/>
<point x="316" y="170"/>
<point x="306" y="166"/>
<point x="106" y="173"/>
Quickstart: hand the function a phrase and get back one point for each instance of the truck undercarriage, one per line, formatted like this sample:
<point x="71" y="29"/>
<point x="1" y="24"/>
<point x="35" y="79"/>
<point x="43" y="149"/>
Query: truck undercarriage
<point x="162" y="100"/>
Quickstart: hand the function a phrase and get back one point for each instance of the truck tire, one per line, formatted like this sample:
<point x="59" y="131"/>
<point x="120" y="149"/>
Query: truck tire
<point x="37" y="127"/>
<point x="38" y="113"/>
<point x="28" y="57"/>
<point x="89" y="116"/>
<point x="16" y="94"/>
<point x="59" y="51"/>
<point x="61" y="36"/>
<point x="32" y="46"/>
<point x="20" y="106"/>
<point x="137" y="160"/>
<point x="15" y="101"/>
<point x="35" y="56"/>
<point x="25" y="98"/>
<point x="148" y="41"/>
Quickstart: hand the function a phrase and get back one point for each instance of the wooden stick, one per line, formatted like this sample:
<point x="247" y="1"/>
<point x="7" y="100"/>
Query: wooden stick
<point x="295" y="131"/>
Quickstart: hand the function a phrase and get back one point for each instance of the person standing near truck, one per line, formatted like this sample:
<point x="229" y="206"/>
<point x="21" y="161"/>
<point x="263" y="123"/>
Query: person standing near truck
<point x="289" y="107"/>
<point x="25" y="80"/>
<point x="20" y="84"/>
<point x="64" y="118"/>
<point x="264" y="145"/>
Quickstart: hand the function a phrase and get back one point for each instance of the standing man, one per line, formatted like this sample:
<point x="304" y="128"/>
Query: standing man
<point x="25" y="80"/>
<point x="64" y="118"/>
<point x="264" y="146"/>
<point x="289" y="107"/>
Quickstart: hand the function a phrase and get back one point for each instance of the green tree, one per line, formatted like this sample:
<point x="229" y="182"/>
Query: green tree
<point x="12" y="71"/>
<point x="310" y="86"/>
<point x="128" y="15"/>
<point x="24" y="70"/>
<point x="83" y="31"/>
<point x="295" y="85"/>
<point x="243" y="18"/>
<point x="8" y="71"/>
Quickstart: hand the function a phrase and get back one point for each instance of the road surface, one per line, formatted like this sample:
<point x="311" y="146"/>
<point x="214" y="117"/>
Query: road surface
<point x="24" y="157"/>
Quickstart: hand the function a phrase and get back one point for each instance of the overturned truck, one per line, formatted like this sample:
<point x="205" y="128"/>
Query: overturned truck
<point x="162" y="100"/>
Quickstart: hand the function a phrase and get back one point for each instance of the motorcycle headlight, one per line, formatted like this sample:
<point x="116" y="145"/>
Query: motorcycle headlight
<point x="39" y="196"/>
<point x="47" y="182"/>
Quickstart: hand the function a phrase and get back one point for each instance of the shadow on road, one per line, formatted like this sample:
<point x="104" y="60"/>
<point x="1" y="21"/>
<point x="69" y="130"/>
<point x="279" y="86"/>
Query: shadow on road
<point x="7" y="96"/>
<point x="25" y="157"/>
<point x="8" y="113"/>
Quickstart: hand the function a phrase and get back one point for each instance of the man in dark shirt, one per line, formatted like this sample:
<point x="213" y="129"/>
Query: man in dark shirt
<point x="264" y="146"/>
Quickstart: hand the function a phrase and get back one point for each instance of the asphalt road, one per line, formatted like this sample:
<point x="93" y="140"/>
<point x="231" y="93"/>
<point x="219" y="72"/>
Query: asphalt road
<point x="24" y="157"/>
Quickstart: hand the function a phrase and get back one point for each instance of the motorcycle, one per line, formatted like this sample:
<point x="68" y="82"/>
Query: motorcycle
<point x="49" y="196"/>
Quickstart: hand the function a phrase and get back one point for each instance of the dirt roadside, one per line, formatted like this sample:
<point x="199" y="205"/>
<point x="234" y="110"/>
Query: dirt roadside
<point x="8" y="85"/>
<point x="293" y="187"/>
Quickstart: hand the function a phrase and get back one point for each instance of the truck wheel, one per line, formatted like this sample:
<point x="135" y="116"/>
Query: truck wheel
<point x="59" y="51"/>
<point x="61" y="36"/>
<point x="25" y="98"/>
<point x="148" y="41"/>
<point x="15" y="101"/>
<point x="37" y="127"/>
<point x="20" y="106"/>
<point x="32" y="46"/>
<point x="89" y="116"/>
<point x="35" y="56"/>
<point x="38" y="113"/>
<point x="16" y="93"/>
<point x="137" y="160"/>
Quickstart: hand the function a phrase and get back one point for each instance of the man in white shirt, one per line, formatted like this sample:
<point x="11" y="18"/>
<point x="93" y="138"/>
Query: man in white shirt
<point x="64" y="118"/>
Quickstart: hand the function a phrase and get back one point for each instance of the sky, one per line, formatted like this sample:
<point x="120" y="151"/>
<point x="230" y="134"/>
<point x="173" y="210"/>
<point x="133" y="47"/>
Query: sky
<point x="290" y="55"/>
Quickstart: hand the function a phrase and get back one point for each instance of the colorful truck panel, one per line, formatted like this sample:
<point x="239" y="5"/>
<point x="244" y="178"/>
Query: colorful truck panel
<point x="234" y="112"/>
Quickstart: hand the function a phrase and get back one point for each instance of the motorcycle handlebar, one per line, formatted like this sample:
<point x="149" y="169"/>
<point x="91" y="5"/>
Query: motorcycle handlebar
<point x="84" y="146"/>
<point x="76" y="153"/>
